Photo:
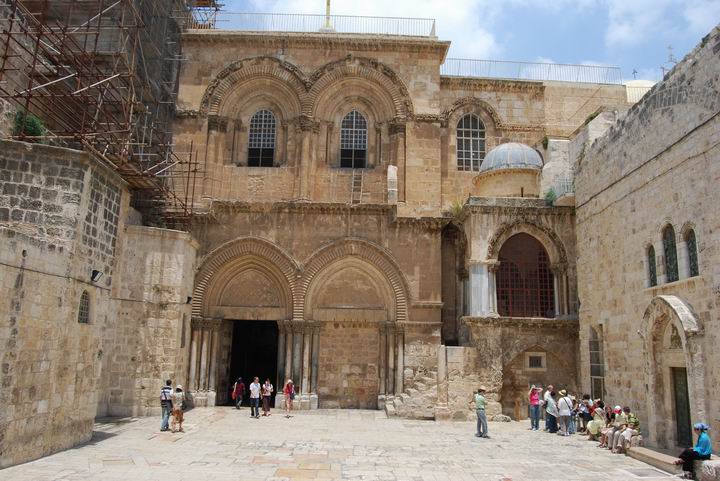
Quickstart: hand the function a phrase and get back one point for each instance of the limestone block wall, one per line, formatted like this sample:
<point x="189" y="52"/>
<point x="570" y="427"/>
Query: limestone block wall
<point x="568" y="104"/>
<point x="149" y="338"/>
<point x="60" y="213"/>
<point x="656" y="166"/>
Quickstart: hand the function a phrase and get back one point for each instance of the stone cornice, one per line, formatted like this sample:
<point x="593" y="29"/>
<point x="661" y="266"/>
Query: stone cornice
<point x="499" y="85"/>
<point x="389" y="43"/>
<point x="513" y="206"/>
<point x="227" y="206"/>
<point x="520" y="322"/>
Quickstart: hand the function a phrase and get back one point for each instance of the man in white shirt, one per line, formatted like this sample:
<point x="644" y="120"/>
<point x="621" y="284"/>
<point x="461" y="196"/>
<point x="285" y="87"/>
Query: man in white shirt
<point x="255" y="398"/>
<point x="546" y="396"/>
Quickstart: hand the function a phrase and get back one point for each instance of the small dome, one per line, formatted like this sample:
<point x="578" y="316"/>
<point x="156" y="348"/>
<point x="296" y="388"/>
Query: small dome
<point x="512" y="155"/>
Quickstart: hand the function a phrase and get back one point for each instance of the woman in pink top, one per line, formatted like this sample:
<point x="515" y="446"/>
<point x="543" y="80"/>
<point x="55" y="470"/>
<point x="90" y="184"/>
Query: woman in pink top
<point x="534" y="401"/>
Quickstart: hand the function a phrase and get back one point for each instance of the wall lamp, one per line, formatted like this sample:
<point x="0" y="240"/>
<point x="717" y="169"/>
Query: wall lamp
<point x="96" y="275"/>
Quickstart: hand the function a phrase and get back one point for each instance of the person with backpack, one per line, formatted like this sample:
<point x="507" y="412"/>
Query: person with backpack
<point x="238" y="391"/>
<point x="564" y="409"/>
<point x="166" y="394"/>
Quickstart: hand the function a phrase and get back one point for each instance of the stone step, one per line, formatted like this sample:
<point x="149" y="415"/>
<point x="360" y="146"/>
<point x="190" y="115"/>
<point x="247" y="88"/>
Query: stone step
<point x="656" y="459"/>
<point x="429" y="381"/>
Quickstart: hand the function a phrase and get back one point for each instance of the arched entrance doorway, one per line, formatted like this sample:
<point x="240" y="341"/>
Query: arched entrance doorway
<point x="243" y="295"/>
<point x="673" y="371"/>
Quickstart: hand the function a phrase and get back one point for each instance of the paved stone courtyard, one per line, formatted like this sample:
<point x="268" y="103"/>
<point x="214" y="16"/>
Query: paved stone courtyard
<point x="225" y="444"/>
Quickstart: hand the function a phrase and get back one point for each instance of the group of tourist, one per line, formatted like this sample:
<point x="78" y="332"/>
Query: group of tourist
<point x="262" y="393"/>
<point x="613" y="427"/>
<point x="172" y="404"/>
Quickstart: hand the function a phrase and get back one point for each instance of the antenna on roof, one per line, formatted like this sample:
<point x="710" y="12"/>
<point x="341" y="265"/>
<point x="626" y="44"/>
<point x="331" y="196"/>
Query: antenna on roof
<point x="327" y="28"/>
<point x="670" y="61"/>
<point x="635" y="72"/>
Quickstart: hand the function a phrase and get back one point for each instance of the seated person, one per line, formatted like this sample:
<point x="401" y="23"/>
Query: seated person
<point x="598" y="421"/>
<point x="624" y="436"/>
<point x="701" y="451"/>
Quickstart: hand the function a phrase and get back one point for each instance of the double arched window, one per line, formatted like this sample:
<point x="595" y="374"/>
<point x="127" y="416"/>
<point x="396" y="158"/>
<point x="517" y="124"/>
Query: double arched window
<point x="261" y="142"/>
<point x="524" y="280"/>
<point x="670" y="252"/>
<point x="470" y="143"/>
<point x="353" y="141"/>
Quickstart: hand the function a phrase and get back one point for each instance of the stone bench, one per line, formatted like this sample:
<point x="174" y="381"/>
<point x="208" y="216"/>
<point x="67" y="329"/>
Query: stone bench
<point x="708" y="470"/>
<point x="655" y="458"/>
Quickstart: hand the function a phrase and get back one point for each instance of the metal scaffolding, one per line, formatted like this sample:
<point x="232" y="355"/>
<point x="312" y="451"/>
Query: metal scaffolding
<point x="102" y="76"/>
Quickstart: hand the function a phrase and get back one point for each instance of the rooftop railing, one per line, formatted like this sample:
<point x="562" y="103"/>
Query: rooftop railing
<point x="293" y="22"/>
<point x="500" y="69"/>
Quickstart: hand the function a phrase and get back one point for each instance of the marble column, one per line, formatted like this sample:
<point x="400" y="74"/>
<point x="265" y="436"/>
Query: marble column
<point x="204" y="354"/>
<point x="315" y="359"/>
<point x="192" y="367"/>
<point x="297" y="352"/>
<point x="307" y="342"/>
<point x="391" y="360"/>
<point x="400" y="364"/>
<point x="493" y="267"/>
<point x="559" y="286"/>
<point x="482" y="289"/>
<point x="214" y="353"/>
<point x="383" y="358"/>
<point x="280" y="381"/>
<point x="288" y="351"/>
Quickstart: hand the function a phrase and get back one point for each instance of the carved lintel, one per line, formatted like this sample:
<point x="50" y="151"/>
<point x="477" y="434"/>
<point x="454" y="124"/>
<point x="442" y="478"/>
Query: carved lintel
<point x="212" y="323"/>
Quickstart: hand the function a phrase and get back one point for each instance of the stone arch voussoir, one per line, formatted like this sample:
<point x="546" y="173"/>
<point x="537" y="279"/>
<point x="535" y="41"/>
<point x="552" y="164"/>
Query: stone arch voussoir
<point x="465" y="103"/>
<point x="362" y="249"/>
<point x="546" y="236"/>
<point x="262" y="249"/>
<point x="253" y="67"/>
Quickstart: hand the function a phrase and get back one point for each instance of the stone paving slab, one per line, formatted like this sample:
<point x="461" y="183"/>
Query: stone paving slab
<point x="226" y="444"/>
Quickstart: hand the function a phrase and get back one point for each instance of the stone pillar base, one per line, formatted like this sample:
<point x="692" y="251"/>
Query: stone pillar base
<point x="303" y="402"/>
<point x="202" y="399"/>
<point x="442" y="412"/>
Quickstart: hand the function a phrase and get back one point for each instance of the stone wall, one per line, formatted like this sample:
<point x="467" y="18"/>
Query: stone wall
<point x="59" y="217"/>
<point x="149" y="338"/>
<point x="657" y="166"/>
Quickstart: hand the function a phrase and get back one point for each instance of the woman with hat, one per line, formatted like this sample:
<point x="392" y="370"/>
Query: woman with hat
<point x="701" y="451"/>
<point x="178" y="403"/>
<point x="289" y="392"/>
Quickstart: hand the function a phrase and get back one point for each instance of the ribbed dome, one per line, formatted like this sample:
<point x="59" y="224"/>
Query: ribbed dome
<point x="512" y="155"/>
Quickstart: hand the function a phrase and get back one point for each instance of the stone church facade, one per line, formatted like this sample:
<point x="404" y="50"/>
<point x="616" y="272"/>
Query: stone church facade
<point x="364" y="225"/>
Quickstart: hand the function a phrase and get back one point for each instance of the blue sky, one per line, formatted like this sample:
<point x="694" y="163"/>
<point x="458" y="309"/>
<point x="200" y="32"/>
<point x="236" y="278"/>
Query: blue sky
<point x="633" y="34"/>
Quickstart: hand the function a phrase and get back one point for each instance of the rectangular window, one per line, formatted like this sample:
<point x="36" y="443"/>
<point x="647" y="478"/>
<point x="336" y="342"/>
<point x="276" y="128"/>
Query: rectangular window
<point x="352" y="158"/>
<point x="535" y="362"/>
<point x="260" y="157"/>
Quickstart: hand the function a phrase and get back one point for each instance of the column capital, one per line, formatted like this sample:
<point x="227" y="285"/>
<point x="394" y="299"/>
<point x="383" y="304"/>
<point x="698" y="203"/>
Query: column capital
<point x="306" y="123"/>
<point x="213" y="323"/>
<point x="559" y="268"/>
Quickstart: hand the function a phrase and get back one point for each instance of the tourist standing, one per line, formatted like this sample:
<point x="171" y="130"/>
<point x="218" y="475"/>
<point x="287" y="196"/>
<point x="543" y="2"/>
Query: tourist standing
<point x="267" y="390"/>
<point x="480" y="404"/>
<point x="564" y="408"/>
<point x="534" y="401"/>
<point x="701" y="451"/>
<point x="551" y="411"/>
<point x="584" y="412"/>
<point x="546" y="398"/>
<point x="289" y="393"/>
<point x="238" y="392"/>
<point x="255" y="398"/>
<point x="166" y="404"/>
<point x="178" y="402"/>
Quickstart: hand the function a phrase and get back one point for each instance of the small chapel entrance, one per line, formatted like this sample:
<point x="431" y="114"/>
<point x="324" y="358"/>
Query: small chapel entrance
<point x="682" y="406"/>
<point x="254" y="353"/>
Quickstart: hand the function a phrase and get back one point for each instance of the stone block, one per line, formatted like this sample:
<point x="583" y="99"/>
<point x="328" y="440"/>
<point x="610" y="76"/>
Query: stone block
<point x="708" y="470"/>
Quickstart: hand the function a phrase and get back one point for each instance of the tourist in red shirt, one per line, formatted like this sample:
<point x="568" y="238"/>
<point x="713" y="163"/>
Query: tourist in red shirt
<point x="289" y="392"/>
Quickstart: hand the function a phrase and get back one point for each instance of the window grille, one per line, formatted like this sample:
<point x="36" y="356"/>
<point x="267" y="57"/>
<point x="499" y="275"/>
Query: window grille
<point x="84" y="308"/>
<point x="353" y="141"/>
<point x="597" y="365"/>
<point x="524" y="280"/>
<point x="691" y="245"/>
<point x="535" y="362"/>
<point x="261" y="142"/>
<point x="671" y="263"/>
<point x="652" y="269"/>
<point x="470" y="143"/>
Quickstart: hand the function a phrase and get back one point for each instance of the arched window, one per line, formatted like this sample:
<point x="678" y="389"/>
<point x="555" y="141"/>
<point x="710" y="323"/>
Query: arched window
<point x="652" y="271"/>
<point x="261" y="142"/>
<point x="524" y="280"/>
<point x="84" y="308"/>
<point x="597" y="365"/>
<point x="670" y="251"/>
<point x="691" y="244"/>
<point x="353" y="141"/>
<point x="470" y="142"/>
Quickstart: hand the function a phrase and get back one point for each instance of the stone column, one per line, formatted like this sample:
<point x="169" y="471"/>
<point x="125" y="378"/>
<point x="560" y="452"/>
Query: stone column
<point x="683" y="260"/>
<point x="400" y="364"/>
<point x="194" y="343"/>
<point x="307" y="342"/>
<point x="214" y="353"/>
<point x="482" y="289"/>
<point x="493" y="267"/>
<point x="288" y="350"/>
<point x="315" y="359"/>
<point x="204" y="353"/>
<point x="280" y="381"/>
<point x="391" y="361"/>
<point x="297" y="352"/>
<point x="382" y="368"/>
<point x="559" y="282"/>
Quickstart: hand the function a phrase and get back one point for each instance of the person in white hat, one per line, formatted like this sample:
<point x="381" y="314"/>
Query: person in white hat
<point x="178" y="403"/>
<point x="289" y="392"/>
<point x="480" y="404"/>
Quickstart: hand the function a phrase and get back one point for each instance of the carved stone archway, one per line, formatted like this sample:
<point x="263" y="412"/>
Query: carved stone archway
<point x="662" y="311"/>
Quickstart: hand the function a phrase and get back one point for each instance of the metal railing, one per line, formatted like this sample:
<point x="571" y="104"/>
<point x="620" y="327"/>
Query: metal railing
<point x="461" y="67"/>
<point x="293" y="22"/>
